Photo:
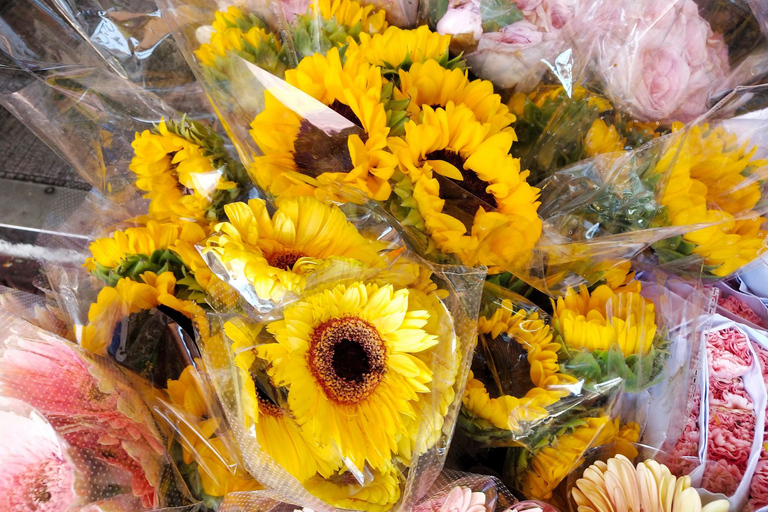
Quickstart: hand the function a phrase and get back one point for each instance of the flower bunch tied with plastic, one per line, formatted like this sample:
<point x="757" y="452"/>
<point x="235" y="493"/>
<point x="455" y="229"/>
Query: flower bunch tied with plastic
<point x="342" y="367"/>
<point x="607" y="333"/>
<point x="388" y="115"/>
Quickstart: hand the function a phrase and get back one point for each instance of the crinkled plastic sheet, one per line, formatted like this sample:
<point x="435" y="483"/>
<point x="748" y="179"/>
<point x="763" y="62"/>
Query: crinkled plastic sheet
<point x="457" y="310"/>
<point x="129" y="39"/>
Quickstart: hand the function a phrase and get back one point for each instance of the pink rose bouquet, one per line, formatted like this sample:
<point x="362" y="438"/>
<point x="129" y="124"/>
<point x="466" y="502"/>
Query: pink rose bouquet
<point x="659" y="58"/>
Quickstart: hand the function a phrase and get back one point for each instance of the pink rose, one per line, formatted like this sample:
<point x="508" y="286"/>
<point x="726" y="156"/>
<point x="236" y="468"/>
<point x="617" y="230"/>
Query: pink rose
<point x="560" y="12"/>
<point x="462" y="18"/>
<point x="517" y="35"/>
<point x="293" y="8"/>
<point x="659" y="58"/>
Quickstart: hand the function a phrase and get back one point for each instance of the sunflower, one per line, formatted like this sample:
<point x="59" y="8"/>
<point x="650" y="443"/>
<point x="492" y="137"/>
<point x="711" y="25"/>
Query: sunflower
<point x="547" y="385"/>
<point x="458" y="170"/>
<point x="349" y="359"/>
<point x="276" y="254"/>
<point x="300" y="157"/>
<point x="245" y="35"/>
<point x="552" y="463"/>
<point x="115" y="304"/>
<point x="185" y="171"/>
<point x="379" y="491"/>
<point x="712" y="179"/>
<point x="398" y="48"/>
<point x="428" y="83"/>
<point x="276" y="433"/>
<point x="602" y="138"/>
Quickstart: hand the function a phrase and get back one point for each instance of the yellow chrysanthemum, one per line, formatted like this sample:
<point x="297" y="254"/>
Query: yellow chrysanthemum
<point x="178" y="175"/>
<point x="276" y="254"/>
<point x="602" y="139"/>
<point x="276" y="434"/>
<point x="349" y="358"/>
<point x="379" y="492"/>
<point x="114" y="304"/>
<point x="109" y="252"/>
<point x="428" y="83"/>
<point x="709" y="181"/>
<point x="604" y="318"/>
<point x="299" y="157"/>
<point x="548" y="384"/>
<point x="449" y="156"/>
<point x="550" y="465"/>
<point x="398" y="48"/>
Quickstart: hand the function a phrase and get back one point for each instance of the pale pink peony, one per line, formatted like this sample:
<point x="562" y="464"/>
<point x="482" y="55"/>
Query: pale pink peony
<point x="36" y="473"/>
<point x="659" y="58"/>
<point x="462" y="17"/>
<point x="87" y="400"/>
<point x="515" y="36"/>
<point x="728" y="353"/>
<point x="739" y="308"/>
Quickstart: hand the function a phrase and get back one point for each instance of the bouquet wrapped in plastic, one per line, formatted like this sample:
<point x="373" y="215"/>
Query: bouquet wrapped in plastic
<point x="387" y="115"/>
<point x="340" y="367"/>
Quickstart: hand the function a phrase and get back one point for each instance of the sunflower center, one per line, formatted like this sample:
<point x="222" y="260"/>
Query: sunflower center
<point x="518" y="381"/>
<point x="284" y="260"/>
<point x="469" y="182"/>
<point x="317" y="151"/>
<point x="348" y="358"/>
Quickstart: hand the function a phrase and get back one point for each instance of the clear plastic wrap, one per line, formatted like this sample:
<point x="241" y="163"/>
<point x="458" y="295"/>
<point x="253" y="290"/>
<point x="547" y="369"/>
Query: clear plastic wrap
<point x="356" y="408"/>
<point x="117" y="451"/>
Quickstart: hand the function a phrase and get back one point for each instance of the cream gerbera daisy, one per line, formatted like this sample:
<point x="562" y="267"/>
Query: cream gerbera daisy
<point x="349" y="359"/>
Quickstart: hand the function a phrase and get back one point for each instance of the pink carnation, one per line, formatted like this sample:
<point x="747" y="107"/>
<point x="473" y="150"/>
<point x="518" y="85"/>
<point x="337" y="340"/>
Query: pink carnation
<point x="739" y="308"/>
<point x="722" y="477"/>
<point x="762" y="358"/>
<point x="729" y="393"/>
<point x="86" y="399"/>
<point x="36" y="473"/>
<point x="758" y="489"/>
<point x="660" y="58"/>
<point x="729" y="354"/>
<point x="687" y="446"/>
<point x="731" y="432"/>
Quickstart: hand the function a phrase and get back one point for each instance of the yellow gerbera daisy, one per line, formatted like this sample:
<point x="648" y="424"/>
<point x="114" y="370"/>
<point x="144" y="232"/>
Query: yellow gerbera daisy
<point x="710" y="181"/>
<point x="398" y="48"/>
<point x="276" y="434"/>
<point x="348" y="356"/>
<point x="275" y="254"/>
<point x="378" y="493"/>
<point x="604" y="318"/>
<point x="181" y="176"/>
<point x="428" y="83"/>
<point x="550" y="465"/>
<point x="114" y="304"/>
<point x="299" y="157"/>
<point x="547" y="384"/>
<point x="459" y="171"/>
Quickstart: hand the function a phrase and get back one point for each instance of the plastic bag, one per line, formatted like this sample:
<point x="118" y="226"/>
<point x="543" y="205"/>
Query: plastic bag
<point x="92" y="405"/>
<point x="319" y="414"/>
<point x="463" y="491"/>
